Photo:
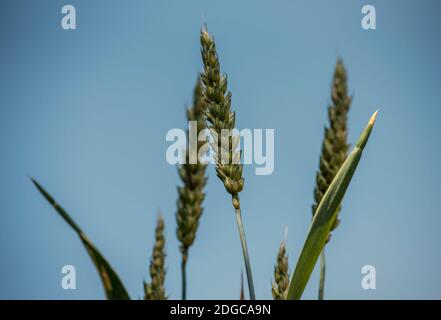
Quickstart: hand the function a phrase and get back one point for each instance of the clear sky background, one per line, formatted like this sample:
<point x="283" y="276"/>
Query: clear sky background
<point x="86" y="113"/>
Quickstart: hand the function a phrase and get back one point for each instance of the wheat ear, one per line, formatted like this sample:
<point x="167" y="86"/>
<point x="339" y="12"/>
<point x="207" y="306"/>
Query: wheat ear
<point x="334" y="150"/>
<point x="281" y="273"/>
<point x="155" y="289"/>
<point x="220" y="118"/>
<point x="191" y="194"/>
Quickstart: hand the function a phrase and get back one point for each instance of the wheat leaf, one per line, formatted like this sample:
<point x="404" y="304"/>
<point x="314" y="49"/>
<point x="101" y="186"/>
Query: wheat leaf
<point x="325" y="216"/>
<point x="113" y="286"/>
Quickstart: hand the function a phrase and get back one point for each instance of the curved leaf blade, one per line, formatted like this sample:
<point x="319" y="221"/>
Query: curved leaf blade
<point x="113" y="287"/>
<point x="325" y="216"/>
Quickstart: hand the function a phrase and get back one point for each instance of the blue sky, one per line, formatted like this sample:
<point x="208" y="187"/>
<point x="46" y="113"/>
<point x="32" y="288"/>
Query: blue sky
<point x="86" y="113"/>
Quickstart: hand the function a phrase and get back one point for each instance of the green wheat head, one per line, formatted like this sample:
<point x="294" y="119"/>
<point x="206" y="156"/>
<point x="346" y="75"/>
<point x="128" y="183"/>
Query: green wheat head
<point x="224" y="146"/>
<point x="155" y="289"/>
<point x="335" y="146"/>
<point x="281" y="274"/>
<point x="191" y="194"/>
<point x="220" y="117"/>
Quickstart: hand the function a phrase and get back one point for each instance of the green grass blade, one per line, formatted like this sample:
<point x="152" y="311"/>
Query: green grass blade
<point x="113" y="286"/>
<point x="325" y="216"/>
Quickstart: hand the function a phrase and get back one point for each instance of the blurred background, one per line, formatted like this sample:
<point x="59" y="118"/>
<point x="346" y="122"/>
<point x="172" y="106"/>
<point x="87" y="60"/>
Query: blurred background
<point x="86" y="113"/>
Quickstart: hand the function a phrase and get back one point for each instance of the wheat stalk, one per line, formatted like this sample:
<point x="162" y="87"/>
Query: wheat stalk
<point x="221" y="118"/>
<point x="334" y="150"/>
<point x="281" y="273"/>
<point x="155" y="289"/>
<point x="191" y="194"/>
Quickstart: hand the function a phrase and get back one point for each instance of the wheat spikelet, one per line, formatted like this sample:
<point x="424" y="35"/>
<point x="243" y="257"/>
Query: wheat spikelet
<point x="155" y="289"/>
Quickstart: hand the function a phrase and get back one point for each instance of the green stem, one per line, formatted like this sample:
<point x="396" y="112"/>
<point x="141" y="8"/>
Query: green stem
<point x="184" y="276"/>
<point x="322" y="275"/>
<point x="245" y="252"/>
